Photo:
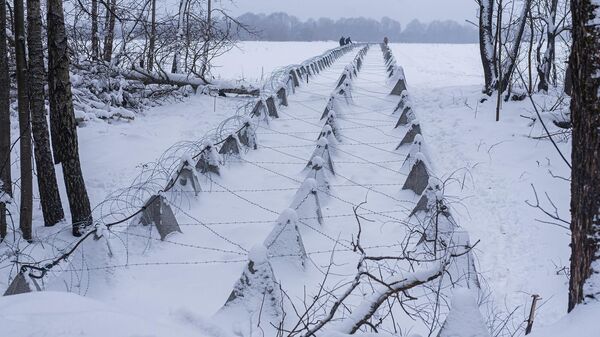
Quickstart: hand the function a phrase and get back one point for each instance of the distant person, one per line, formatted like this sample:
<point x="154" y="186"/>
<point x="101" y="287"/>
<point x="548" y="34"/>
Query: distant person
<point x="342" y="41"/>
<point x="386" y="40"/>
<point x="348" y="40"/>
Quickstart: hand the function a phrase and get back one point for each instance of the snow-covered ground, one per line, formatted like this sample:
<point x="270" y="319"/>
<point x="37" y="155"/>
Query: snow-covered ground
<point x="174" y="287"/>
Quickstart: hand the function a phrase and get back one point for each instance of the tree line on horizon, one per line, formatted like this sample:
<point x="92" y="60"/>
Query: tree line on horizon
<point x="284" y="27"/>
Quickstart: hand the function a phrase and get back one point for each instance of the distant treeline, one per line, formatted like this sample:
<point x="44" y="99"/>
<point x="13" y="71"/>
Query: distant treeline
<point x="284" y="27"/>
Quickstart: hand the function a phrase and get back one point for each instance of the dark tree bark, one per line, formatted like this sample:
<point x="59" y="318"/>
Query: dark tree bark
<point x="486" y="43"/>
<point x="95" y="38"/>
<point x="509" y="66"/>
<point x="62" y="119"/>
<point x="46" y="176"/>
<point x="5" y="176"/>
<point x="585" y="177"/>
<point x="26" y="184"/>
<point x="110" y="31"/>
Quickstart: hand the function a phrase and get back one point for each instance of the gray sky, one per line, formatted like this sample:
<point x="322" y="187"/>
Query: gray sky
<point x="400" y="10"/>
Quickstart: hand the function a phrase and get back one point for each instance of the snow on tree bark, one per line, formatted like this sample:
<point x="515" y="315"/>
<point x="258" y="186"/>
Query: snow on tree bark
<point x="5" y="174"/>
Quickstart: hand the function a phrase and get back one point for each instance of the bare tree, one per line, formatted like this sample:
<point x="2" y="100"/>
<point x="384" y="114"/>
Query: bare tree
<point x="109" y="30"/>
<point x="26" y="184"/>
<point x="5" y="176"/>
<point x="46" y="176"/>
<point x="585" y="176"/>
<point x="486" y="43"/>
<point x="95" y="37"/>
<point x="62" y="119"/>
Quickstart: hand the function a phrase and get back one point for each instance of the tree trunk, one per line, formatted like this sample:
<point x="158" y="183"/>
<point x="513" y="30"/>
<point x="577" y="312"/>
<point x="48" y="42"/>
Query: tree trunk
<point x="152" y="38"/>
<point x="46" y="177"/>
<point x="175" y="68"/>
<point x="544" y="68"/>
<point x="24" y="123"/>
<point x="5" y="176"/>
<point x="486" y="43"/>
<point x="585" y="177"/>
<point x="110" y="31"/>
<point x="95" y="38"/>
<point x="62" y="118"/>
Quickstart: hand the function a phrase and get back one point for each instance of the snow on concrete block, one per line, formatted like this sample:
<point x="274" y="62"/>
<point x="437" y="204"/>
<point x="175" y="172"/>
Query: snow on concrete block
<point x="185" y="178"/>
<point x="418" y="178"/>
<point x="209" y="160"/>
<point x="282" y="96"/>
<point x="409" y="138"/>
<point x="257" y="291"/>
<point x="22" y="284"/>
<point x="157" y="211"/>
<point x="307" y="204"/>
<point x="285" y="242"/>
<point x="271" y="107"/>
<point x="462" y="268"/>
<point x="342" y="80"/>
<point x="464" y="319"/>
<point x="247" y="135"/>
<point x="328" y="134"/>
<point x="416" y="147"/>
<point x="322" y="151"/>
<point x="332" y="122"/>
<point x="231" y="146"/>
<point x="319" y="174"/>
<point x="406" y="117"/>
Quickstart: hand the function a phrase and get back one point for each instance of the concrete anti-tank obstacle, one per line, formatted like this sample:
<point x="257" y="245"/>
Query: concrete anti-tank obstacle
<point x="209" y="160"/>
<point x="418" y="178"/>
<point x="22" y="284"/>
<point x="256" y="290"/>
<point x="415" y="129"/>
<point x="157" y="211"/>
<point x="294" y="77"/>
<point x="319" y="174"/>
<point x="416" y="147"/>
<point x="399" y="87"/>
<point x="186" y="176"/>
<point x="285" y="242"/>
<point x="231" y="146"/>
<point x="247" y="135"/>
<point x="282" y="96"/>
<point x="332" y="122"/>
<point x="259" y="109"/>
<point x="462" y="269"/>
<point x="328" y="134"/>
<point x="272" y="107"/>
<point x="328" y="107"/>
<point x="306" y="202"/>
<point x="403" y="103"/>
<point x="429" y="198"/>
<point x="322" y="151"/>
<point x="406" y="117"/>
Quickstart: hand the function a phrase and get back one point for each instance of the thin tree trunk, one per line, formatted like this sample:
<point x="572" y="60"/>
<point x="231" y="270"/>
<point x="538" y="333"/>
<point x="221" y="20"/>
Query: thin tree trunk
<point x="585" y="177"/>
<point x="486" y="43"/>
<point x="152" y="38"/>
<point x="5" y="176"/>
<point x="46" y="176"/>
<point x="95" y="38"/>
<point x="24" y="123"/>
<point x="175" y="68"/>
<point x="110" y="31"/>
<point x="62" y="119"/>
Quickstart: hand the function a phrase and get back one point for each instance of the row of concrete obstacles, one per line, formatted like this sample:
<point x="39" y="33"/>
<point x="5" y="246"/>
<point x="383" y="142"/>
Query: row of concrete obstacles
<point x="157" y="210"/>
<point x="441" y="234"/>
<point x="257" y="290"/>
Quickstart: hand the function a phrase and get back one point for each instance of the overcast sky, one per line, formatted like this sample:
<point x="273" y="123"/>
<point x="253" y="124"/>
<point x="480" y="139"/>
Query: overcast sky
<point x="400" y="10"/>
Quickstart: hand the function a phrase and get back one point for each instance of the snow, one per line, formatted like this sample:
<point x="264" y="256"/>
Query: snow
<point x="175" y="287"/>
